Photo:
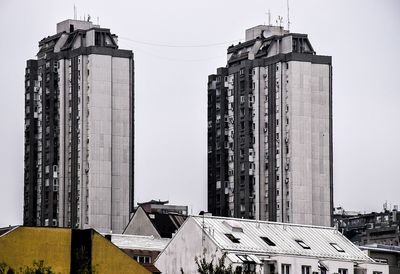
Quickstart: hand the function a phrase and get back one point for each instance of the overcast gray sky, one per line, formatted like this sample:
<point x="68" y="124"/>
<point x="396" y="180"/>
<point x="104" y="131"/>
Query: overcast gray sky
<point x="171" y="95"/>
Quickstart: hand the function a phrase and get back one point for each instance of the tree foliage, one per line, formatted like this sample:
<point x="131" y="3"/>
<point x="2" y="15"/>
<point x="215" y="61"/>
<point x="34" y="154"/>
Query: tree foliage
<point x="38" y="267"/>
<point x="204" y="267"/>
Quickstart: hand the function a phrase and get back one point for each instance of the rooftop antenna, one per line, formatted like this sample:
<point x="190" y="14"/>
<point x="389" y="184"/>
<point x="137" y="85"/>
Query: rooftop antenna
<point x="279" y="20"/>
<point x="98" y="21"/>
<point x="288" y="18"/>
<point x="269" y="17"/>
<point x="74" y="12"/>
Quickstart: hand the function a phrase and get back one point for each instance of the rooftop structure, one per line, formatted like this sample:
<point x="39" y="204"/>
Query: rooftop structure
<point x="154" y="223"/>
<point x="370" y="228"/>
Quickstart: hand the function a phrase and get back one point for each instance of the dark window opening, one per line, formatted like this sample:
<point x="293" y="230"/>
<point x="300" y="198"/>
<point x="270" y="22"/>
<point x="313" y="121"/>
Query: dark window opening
<point x="71" y="28"/>
<point x="268" y="241"/>
<point x="302" y="244"/>
<point x="233" y="238"/>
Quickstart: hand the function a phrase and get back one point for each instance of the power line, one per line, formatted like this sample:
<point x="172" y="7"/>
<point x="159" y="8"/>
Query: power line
<point x="179" y="45"/>
<point x="177" y="59"/>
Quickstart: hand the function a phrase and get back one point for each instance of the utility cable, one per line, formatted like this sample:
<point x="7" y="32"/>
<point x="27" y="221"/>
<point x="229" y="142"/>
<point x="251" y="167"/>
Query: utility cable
<point x="178" y="45"/>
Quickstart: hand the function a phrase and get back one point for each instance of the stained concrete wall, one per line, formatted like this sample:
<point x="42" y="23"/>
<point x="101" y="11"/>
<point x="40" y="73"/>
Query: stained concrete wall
<point x="309" y="140"/>
<point x="108" y="131"/>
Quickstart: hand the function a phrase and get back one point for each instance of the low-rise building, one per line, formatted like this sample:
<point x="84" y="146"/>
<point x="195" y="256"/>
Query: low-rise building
<point x="264" y="247"/>
<point x="65" y="251"/>
<point x="385" y="254"/>
<point x="143" y="249"/>
<point x="370" y="228"/>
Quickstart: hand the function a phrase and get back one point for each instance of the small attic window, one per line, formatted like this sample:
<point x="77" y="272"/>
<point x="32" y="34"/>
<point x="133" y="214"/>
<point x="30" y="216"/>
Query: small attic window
<point x="303" y="244"/>
<point x="268" y="241"/>
<point x="71" y="28"/>
<point x="233" y="238"/>
<point x="337" y="247"/>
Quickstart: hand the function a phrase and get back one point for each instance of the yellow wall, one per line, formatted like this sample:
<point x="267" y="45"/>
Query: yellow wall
<point x="22" y="246"/>
<point x="107" y="258"/>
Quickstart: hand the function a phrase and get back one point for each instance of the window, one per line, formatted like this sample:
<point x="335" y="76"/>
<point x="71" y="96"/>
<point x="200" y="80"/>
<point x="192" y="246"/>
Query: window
<point x="343" y="271"/>
<point x="233" y="238"/>
<point x="249" y="267"/>
<point x="142" y="259"/>
<point x="268" y="241"/>
<point x="337" y="247"/>
<point x="285" y="269"/>
<point x="302" y="244"/>
<point x="377" y="272"/>
<point x="305" y="269"/>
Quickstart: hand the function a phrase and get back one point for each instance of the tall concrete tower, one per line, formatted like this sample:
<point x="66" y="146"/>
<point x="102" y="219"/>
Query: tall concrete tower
<point x="270" y="130"/>
<point x="79" y="130"/>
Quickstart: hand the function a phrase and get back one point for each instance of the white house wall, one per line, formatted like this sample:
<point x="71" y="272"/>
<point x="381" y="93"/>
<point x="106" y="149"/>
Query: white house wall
<point x="189" y="242"/>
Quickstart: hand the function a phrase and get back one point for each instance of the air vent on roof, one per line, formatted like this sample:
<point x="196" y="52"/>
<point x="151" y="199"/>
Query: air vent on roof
<point x="233" y="225"/>
<point x="302" y="244"/>
<point x="268" y="241"/>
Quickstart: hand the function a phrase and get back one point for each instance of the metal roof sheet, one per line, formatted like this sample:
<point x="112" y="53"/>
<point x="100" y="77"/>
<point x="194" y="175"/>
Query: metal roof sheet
<point x="138" y="242"/>
<point x="283" y="235"/>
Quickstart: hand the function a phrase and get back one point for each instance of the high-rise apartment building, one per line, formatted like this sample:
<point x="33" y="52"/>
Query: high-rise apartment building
<point x="270" y="130"/>
<point x="79" y="130"/>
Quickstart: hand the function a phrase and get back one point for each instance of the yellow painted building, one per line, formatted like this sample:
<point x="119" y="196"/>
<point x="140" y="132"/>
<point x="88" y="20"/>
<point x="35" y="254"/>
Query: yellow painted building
<point x="65" y="251"/>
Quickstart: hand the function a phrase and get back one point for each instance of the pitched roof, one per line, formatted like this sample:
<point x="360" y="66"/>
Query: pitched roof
<point x="152" y="268"/>
<point x="166" y="223"/>
<point x="268" y="238"/>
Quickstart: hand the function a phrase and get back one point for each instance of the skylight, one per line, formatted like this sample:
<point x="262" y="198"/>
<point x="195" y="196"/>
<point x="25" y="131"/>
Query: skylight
<point x="337" y="247"/>
<point x="303" y="244"/>
<point x="268" y="241"/>
<point x="233" y="238"/>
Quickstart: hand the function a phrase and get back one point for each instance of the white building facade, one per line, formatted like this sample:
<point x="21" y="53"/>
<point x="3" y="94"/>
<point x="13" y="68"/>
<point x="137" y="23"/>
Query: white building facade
<point x="264" y="248"/>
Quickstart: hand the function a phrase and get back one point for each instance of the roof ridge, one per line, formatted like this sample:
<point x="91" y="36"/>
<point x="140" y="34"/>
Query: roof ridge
<point x="263" y="222"/>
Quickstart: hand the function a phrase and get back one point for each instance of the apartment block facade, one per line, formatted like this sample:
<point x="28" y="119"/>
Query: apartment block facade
<point x="79" y="130"/>
<point x="270" y="130"/>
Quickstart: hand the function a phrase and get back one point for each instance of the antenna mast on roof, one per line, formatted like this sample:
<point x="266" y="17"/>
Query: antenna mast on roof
<point x="269" y="17"/>
<point x="74" y="12"/>
<point x="279" y="20"/>
<point x="288" y="18"/>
